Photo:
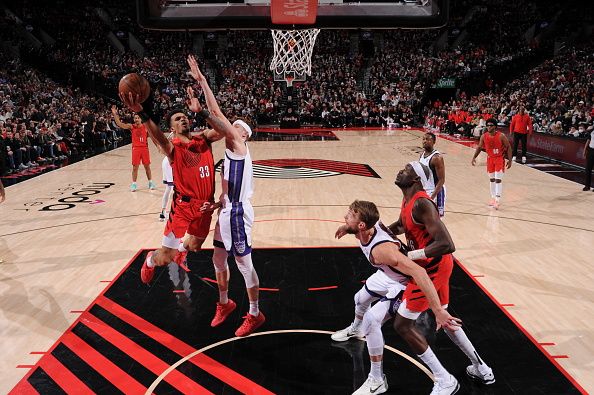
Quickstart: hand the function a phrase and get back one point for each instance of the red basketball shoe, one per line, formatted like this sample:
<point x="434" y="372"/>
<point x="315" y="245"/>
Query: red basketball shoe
<point x="222" y="312"/>
<point x="147" y="273"/>
<point x="250" y="324"/>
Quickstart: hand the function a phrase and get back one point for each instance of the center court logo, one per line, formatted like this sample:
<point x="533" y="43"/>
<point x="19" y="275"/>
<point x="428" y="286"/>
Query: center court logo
<point x="307" y="168"/>
<point x="75" y="194"/>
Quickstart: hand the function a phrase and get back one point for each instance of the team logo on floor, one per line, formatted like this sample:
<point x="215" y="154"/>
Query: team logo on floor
<point x="307" y="168"/>
<point x="68" y="197"/>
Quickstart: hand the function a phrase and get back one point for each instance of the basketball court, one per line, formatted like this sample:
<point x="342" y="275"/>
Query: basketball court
<point x="73" y="305"/>
<point x="76" y="318"/>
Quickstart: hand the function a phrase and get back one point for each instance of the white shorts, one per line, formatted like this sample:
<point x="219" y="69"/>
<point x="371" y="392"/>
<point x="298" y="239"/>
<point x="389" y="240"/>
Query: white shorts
<point x="440" y="200"/>
<point x="382" y="286"/>
<point x="167" y="172"/>
<point x="234" y="228"/>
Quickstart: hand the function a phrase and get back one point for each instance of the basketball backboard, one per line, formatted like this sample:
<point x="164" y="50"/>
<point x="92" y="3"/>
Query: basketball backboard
<point x="256" y="14"/>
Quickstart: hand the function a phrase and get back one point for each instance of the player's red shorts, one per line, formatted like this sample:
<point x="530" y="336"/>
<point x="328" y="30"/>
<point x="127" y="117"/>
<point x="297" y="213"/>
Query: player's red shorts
<point x="495" y="163"/>
<point x="186" y="216"/>
<point x="140" y="154"/>
<point x="416" y="299"/>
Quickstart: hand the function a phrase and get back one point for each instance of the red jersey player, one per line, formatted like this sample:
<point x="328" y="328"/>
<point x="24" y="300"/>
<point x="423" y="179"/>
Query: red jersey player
<point x="192" y="162"/>
<point x="140" y="150"/>
<point x="498" y="149"/>
<point x="431" y="248"/>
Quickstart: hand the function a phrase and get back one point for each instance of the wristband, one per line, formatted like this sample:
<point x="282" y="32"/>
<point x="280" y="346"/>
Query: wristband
<point x="417" y="254"/>
<point x="204" y="113"/>
<point x="143" y="116"/>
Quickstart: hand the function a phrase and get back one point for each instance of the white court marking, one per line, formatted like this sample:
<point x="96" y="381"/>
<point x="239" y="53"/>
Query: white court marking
<point x="170" y="369"/>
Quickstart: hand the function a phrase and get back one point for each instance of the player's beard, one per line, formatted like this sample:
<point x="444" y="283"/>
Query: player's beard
<point x="185" y="131"/>
<point x="351" y="231"/>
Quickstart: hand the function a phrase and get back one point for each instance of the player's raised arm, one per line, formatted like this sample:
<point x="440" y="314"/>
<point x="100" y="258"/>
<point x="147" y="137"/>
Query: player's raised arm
<point x="118" y="121"/>
<point x="213" y="115"/>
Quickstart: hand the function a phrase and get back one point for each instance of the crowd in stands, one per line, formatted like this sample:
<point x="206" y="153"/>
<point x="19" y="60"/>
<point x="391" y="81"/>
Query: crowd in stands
<point x="558" y="95"/>
<point x="44" y="122"/>
<point x="42" y="118"/>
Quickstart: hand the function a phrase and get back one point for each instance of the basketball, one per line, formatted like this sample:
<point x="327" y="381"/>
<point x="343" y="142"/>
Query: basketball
<point x="136" y="84"/>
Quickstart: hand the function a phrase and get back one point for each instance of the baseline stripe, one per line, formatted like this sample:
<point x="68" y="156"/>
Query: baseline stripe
<point x="178" y="380"/>
<point x="213" y="367"/>
<point x="24" y="387"/>
<point x="116" y="376"/>
<point x="63" y="377"/>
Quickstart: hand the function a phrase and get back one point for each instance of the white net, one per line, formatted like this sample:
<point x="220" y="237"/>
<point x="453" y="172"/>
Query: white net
<point x="292" y="51"/>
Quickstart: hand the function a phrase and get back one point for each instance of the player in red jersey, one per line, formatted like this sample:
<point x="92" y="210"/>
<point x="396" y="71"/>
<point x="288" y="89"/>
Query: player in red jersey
<point x="192" y="162"/>
<point x="140" y="150"/>
<point x="498" y="150"/>
<point x="431" y="248"/>
<point x="360" y="220"/>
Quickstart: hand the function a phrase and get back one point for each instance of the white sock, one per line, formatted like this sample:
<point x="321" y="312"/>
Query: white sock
<point x="223" y="298"/>
<point x="181" y="248"/>
<point x="460" y="339"/>
<point x="254" y="310"/>
<point x="434" y="365"/>
<point x="498" y="189"/>
<point x="149" y="260"/>
<point x="493" y="189"/>
<point x="376" y="370"/>
<point x="356" y="323"/>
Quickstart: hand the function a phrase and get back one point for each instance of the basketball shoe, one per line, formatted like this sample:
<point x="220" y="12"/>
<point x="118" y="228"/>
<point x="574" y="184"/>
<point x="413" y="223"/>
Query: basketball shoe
<point x="147" y="273"/>
<point x="487" y="377"/>
<point x="133" y="187"/>
<point x="446" y="387"/>
<point x="250" y="324"/>
<point x="492" y="202"/>
<point x="151" y="185"/>
<point x="222" y="312"/>
<point x="346" y="333"/>
<point x="372" y="386"/>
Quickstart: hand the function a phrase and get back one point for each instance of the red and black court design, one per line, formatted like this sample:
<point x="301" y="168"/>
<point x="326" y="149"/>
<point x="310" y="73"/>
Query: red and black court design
<point x="306" y="168"/>
<point x="294" y="135"/>
<point x="132" y="333"/>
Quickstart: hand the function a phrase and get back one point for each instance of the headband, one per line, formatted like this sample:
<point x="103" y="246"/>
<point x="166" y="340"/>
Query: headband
<point x="418" y="168"/>
<point x="244" y="125"/>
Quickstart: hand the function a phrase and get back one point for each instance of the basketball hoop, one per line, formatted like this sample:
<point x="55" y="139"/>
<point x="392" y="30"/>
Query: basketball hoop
<point x="292" y="52"/>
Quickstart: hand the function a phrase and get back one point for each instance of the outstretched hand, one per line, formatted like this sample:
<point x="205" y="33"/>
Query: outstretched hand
<point x="132" y="101"/>
<point x="192" y="102"/>
<point x="114" y="109"/>
<point x="194" y="69"/>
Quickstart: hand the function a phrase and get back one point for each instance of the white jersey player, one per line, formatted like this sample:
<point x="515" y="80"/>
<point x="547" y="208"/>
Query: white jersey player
<point x="386" y="286"/>
<point x="431" y="158"/>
